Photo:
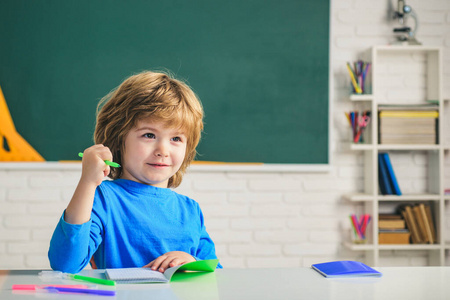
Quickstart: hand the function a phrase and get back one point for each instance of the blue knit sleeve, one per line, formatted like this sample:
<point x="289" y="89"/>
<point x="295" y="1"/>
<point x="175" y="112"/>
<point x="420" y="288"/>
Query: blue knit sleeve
<point x="73" y="245"/>
<point x="206" y="248"/>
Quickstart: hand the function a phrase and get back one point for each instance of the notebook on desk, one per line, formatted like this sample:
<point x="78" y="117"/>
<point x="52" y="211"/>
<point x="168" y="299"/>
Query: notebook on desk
<point x="345" y="268"/>
<point x="147" y="275"/>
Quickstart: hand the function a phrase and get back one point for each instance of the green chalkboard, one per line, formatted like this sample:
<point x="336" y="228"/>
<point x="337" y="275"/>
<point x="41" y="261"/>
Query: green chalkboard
<point x="260" y="68"/>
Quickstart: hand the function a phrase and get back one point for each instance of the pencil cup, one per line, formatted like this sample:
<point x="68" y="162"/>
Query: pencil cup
<point x="356" y="239"/>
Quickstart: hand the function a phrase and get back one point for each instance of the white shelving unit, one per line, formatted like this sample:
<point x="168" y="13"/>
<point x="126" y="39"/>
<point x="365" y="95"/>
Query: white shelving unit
<point x="427" y="63"/>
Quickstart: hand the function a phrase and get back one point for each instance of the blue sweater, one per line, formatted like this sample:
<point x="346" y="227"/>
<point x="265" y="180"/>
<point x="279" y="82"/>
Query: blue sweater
<point x="131" y="224"/>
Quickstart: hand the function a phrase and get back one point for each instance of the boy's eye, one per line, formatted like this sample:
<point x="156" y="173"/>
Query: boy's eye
<point x="176" y="139"/>
<point x="149" y="135"/>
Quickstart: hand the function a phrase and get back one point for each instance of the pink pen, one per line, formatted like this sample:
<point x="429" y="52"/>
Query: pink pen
<point x="33" y="287"/>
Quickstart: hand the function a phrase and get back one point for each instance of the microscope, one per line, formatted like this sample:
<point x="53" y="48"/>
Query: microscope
<point x="406" y="34"/>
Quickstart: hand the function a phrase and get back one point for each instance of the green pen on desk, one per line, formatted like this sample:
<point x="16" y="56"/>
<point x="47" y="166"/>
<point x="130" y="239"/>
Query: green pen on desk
<point x="90" y="279"/>
<point x="109" y="163"/>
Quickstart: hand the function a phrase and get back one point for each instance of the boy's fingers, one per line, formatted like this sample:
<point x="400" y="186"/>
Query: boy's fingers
<point x="157" y="262"/>
<point x="176" y="262"/>
<point x="107" y="170"/>
<point x="166" y="263"/>
<point x="168" y="260"/>
<point x="149" y="264"/>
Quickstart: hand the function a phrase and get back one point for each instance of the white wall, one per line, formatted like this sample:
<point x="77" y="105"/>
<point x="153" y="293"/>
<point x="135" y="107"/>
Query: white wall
<point x="255" y="219"/>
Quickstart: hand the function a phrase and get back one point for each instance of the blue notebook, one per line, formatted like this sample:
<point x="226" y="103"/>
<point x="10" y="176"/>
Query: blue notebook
<point x="391" y="174"/>
<point x="345" y="268"/>
<point x="383" y="176"/>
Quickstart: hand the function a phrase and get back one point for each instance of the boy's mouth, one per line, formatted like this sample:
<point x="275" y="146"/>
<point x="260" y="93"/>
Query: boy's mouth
<point x="159" y="165"/>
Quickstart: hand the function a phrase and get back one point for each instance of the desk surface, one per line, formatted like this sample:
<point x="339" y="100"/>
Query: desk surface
<point x="294" y="283"/>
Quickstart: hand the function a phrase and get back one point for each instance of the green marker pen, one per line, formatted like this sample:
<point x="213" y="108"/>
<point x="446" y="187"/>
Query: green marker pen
<point x="109" y="163"/>
<point x="90" y="279"/>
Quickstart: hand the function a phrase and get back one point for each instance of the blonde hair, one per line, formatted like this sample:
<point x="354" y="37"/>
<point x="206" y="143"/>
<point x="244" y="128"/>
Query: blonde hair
<point x="149" y="95"/>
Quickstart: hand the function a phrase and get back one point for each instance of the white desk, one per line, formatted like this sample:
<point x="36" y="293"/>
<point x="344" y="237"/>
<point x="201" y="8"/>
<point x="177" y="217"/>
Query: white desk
<point x="295" y="283"/>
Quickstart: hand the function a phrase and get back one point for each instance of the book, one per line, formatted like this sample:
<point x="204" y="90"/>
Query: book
<point x="391" y="174"/>
<point x="147" y="275"/>
<point x="390" y="222"/>
<point x="391" y="229"/>
<point x="409" y="114"/>
<point x="394" y="236"/>
<point x="421" y="224"/>
<point x="405" y="127"/>
<point x="389" y="216"/>
<point x="345" y="268"/>
<point x="423" y="213"/>
<point x="383" y="179"/>
<point x="408" y="140"/>
<point x="430" y="221"/>
<point x="408" y="124"/>
<point x="408" y="131"/>
<point x="417" y="106"/>
<point x="425" y="221"/>
<point x="407" y="214"/>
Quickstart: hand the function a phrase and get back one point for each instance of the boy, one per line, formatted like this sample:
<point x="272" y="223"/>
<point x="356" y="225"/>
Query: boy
<point x="150" y="125"/>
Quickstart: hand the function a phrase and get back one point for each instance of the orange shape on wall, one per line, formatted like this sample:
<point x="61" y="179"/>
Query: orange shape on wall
<point x="13" y="147"/>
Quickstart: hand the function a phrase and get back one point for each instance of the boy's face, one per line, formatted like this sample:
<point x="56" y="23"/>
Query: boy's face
<point x="153" y="153"/>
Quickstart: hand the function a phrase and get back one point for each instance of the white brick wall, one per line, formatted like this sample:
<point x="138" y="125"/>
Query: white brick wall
<point x="258" y="220"/>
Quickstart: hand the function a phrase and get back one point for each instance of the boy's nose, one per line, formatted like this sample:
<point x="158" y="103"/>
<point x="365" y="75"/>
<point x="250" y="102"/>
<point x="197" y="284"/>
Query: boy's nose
<point x="162" y="150"/>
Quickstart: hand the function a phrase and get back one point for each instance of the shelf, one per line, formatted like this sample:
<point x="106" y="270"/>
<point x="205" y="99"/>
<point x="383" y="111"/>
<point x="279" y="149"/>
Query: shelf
<point x="359" y="247"/>
<point x="361" y="197"/>
<point x="361" y="97"/>
<point x="403" y="49"/>
<point x="410" y="247"/>
<point x="387" y="247"/>
<point x="358" y="197"/>
<point x="419" y="197"/>
<point x="361" y="147"/>
<point x="407" y="147"/>
<point x="395" y="147"/>
<point x="427" y="62"/>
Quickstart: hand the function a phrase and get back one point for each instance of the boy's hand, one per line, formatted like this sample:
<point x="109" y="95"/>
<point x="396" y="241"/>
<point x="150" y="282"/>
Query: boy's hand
<point x="93" y="172"/>
<point x="94" y="168"/>
<point x="170" y="259"/>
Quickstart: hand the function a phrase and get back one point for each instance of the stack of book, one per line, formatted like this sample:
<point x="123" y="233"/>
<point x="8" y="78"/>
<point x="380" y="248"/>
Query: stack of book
<point x="419" y="221"/>
<point x="392" y="229"/>
<point x="386" y="176"/>
<point x="406" y="124"/>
